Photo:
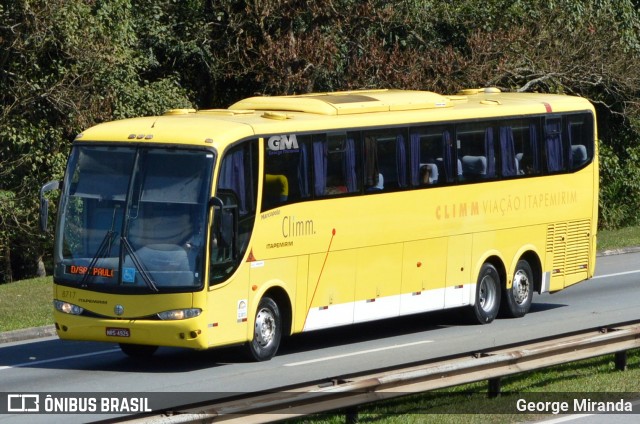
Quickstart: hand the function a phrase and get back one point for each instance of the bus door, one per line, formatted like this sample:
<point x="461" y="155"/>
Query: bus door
<point x="234" y="212"/>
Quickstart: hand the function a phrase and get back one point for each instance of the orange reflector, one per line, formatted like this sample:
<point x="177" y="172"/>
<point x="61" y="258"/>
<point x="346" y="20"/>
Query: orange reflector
<point x="251" y="258"/>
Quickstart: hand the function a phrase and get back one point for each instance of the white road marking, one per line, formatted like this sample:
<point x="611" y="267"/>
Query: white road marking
<point x="617" y="274"/>
<point x="361" y="352"/>
<point x="63" y="358"/>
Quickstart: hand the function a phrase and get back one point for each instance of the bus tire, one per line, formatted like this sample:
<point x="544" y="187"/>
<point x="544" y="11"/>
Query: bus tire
<point x="267" y="331"/>
<point x="137" y="350"/>
<point x="487" y="302"/>
<point x="516" y="301"/>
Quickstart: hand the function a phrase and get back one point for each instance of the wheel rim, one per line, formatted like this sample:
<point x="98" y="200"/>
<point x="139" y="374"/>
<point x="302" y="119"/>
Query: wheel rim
<point x="521" y="286"/>
<point x="265" y="328"/>
<point x="487" y="295"/>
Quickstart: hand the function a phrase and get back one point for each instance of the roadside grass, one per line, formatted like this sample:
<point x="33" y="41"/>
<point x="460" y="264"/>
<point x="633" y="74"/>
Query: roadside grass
<point x="591" y="379"/>
<point x="616" y="239"/>
<point x="26" y="303"/>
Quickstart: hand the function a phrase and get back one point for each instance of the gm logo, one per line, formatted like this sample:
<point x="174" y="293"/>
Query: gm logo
<point x="282" y="142"/>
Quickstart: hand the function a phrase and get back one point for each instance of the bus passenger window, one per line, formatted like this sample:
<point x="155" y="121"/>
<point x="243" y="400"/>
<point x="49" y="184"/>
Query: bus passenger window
<point x="476" y="151"/>
<point x="580" y="132"/>
<point x="385" y="160"/>
<point x="525" y="140"/>
<point x="431" y="156"/>
<point x="286" y="171"/>
<point x="335" y="164"/>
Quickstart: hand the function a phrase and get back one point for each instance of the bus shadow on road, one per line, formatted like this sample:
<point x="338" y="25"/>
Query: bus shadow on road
<point x="392" y="327"/>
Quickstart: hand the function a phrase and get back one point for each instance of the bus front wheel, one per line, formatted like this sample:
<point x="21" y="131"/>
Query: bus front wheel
<point x="487" y="302"/>
<point x="517" y="299"/>
<point x="267" y="331"/>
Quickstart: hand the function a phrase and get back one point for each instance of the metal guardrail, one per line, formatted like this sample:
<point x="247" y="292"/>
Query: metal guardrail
<point x="348" y="392"/>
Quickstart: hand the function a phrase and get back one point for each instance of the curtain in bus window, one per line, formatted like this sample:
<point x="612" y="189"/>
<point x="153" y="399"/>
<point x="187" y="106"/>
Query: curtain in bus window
<point x="447" y="156"/>
<point x="232" y="177"/>
<point x="303" y="171"/>
<point x="555" y="159"/>
<point x="508" y="152"/>
<point x="533" y="140"/>
<point x="414" y="159"/>
<point x="401" y="160"/>
<point x="489" y="151"/>
<point x="349" y="163"/>
<point x="320" y="166"/>
<point x="371" y="169"/>
<point x="570" y="139"/>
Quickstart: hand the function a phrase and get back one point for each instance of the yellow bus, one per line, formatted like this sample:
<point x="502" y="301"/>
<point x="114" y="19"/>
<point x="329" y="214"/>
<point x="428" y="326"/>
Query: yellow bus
<point x="287" y="214"/>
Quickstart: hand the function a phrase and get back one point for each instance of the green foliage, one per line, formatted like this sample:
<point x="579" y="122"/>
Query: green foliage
<point x="66" y="65"/>
<point x="25" y="304"/>
<point x="619" y="187"/>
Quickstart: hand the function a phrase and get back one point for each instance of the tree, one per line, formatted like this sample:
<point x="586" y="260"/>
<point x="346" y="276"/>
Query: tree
<point x="68" y="64"/>
<point x="65" y="65"/>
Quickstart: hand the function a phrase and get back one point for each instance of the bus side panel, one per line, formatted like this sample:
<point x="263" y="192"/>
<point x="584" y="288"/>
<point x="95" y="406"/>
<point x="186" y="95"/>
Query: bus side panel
<point x="227" y="306"/>
<point x="459" y="282"/>
<point x="423" y="276"/>
<point x="569" y="252"/>
<point x="282" y="272"/>
<point x="331" y="289"/>
<point x="378" y="277"/>
<point x="300" y="304"/>
<point x="508" y="245"/>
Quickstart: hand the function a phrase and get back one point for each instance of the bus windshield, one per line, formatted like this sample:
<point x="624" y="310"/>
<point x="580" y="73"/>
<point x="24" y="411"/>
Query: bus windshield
<point x="132" y="219"/>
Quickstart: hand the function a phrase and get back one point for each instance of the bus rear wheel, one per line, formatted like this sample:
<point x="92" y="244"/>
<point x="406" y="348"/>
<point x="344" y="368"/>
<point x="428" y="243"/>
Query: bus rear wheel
<point x="137" y="350"/>
<point x="267" y="331"/>
<point x="517" y="300"/>
<point x="487" y="301"/>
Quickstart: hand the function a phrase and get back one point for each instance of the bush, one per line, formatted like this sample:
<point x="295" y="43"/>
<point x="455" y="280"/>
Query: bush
<point x="66" y="65"/>
<point x="619" y="187"/>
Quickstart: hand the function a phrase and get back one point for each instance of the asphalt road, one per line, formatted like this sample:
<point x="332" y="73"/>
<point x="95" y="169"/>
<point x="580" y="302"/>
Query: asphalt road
<point x="48" y="365"/>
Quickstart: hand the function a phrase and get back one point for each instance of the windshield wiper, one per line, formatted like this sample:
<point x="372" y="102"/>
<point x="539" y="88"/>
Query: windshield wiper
<point x="139" y="266"/>
<point x="105" y="247"/>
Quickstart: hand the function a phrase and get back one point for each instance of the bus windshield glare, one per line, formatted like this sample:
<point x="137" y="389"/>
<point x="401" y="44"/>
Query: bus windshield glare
<point x="132" y="219"/>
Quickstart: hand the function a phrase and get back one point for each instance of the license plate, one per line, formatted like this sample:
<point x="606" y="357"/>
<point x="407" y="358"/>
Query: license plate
<point x="118" y="332"/>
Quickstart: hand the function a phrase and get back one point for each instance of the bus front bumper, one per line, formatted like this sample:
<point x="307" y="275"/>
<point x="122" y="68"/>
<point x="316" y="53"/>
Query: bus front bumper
<point x="187" y="333"/>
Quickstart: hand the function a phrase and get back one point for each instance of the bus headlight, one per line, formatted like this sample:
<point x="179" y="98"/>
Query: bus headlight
<point x="67" y="308"/>
<point x="177" y="314"/>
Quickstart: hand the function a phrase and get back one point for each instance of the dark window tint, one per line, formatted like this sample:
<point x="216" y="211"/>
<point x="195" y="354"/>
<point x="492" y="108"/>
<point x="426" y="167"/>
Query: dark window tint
<point x="286" y="171"/>
<point x="476" y="150"/>
<point x="386" y="165"/>
<point x="336" y="162"/>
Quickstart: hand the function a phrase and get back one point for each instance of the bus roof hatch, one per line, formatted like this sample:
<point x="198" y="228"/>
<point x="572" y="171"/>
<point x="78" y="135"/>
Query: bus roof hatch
<point x="348" y="102"/>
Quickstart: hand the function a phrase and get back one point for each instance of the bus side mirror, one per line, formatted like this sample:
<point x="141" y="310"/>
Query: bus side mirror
<point x="44" y="203"/>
